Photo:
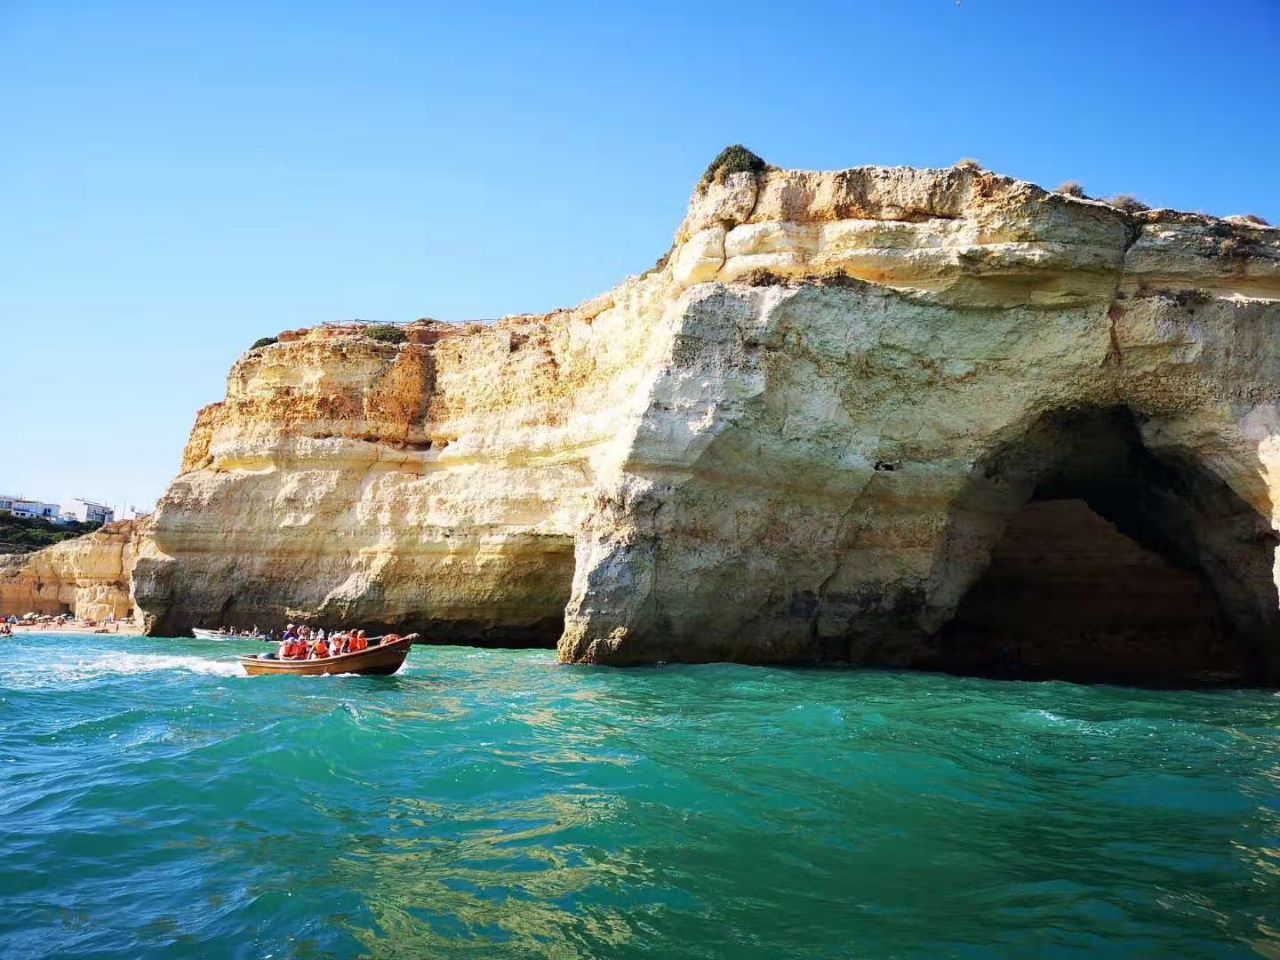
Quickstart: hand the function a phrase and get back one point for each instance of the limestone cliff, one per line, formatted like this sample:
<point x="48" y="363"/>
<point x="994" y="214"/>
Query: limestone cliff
<point x="88" y="577"/>
<point x="801" y="438"/>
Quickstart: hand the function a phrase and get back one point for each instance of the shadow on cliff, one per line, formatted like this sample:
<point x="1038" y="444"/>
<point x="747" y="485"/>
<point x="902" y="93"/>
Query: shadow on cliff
<point x="1078" y="552"/>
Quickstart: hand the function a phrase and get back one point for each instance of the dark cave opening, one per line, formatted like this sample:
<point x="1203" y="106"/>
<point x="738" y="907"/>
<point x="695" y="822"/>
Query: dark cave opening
<point x="1114" y="564"/>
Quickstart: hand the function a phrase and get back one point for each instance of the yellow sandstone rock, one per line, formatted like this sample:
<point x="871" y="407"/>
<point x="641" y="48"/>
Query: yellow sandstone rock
<point x="88" y="577"/>
<point x="800" y="439"/>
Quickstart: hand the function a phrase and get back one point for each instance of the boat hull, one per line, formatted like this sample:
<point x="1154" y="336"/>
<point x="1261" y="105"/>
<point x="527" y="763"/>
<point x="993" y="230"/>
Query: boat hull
<point x="382" y="660"/>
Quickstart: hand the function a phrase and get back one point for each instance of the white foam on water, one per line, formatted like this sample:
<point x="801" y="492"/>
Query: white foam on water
<point x="38" y="672"/>
<point x="1047" y="718"/>
<point x="1048" y="715"/>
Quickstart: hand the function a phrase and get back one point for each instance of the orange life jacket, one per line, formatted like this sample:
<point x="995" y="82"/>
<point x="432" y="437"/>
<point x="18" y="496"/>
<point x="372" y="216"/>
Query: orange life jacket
<point x="322" y="649"/>
<point x="357" y="644"/>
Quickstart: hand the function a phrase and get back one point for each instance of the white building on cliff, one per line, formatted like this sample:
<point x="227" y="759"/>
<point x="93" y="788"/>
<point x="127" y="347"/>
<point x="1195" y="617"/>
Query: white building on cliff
<point x="86" y="511"/>
<point x="29" y="509"/>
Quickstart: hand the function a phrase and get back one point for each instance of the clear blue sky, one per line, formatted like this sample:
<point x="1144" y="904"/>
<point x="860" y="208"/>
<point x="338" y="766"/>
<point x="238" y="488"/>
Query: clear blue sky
<point x="178" y="179"/>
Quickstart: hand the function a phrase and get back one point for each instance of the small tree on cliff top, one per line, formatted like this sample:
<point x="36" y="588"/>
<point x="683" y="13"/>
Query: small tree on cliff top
<point x="386" y="333"/>
<point x="1127" y="203"/>
<point x="734" y="158"/>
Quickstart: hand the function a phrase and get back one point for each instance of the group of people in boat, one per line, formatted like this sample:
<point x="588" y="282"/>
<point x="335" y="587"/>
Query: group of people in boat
<point x="304" y="643"/>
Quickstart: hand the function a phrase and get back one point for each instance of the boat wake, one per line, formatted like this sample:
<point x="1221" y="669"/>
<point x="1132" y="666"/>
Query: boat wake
<point x="37" y="673"/>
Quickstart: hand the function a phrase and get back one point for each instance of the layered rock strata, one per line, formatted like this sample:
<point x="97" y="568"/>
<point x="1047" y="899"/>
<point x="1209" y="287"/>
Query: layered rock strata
<point x="801" y="438"/>
<point x="88" y="577"/>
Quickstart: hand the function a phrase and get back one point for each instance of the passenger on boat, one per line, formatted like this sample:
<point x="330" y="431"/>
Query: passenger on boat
<point x="357" y="642"/>
<point x="320" y="649"/>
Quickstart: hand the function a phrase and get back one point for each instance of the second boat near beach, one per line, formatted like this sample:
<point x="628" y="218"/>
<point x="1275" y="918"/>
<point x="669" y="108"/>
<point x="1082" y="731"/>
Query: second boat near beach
<point x="200" y="633"/>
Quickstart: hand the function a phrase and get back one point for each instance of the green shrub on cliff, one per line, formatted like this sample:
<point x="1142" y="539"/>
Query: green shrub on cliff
<point x="24" y="534"/>
<point x="263" y="342"/>
<point x="386" y="333"/>
<point x="732" y="159"/>
<point x="1127" y="203"/>
<point x="660" y="264"/>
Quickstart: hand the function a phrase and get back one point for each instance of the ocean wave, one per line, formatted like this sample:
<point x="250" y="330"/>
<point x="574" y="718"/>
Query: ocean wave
<point x="37" y="673"/>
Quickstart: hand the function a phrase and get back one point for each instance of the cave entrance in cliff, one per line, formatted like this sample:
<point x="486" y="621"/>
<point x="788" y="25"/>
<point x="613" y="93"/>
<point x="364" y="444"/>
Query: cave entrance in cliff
<point x="1111" y="562"/>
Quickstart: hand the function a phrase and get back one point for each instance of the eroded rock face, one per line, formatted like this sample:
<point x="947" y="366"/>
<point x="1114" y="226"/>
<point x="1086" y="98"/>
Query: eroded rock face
<point x="800" y="439"/>
<point x="434" y="486"/>
<point x="87" y="577"/>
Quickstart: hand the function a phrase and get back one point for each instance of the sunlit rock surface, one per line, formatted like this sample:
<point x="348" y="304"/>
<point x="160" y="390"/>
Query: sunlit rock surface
<point x="799" y="439"/>
<point x="88" y="577"/>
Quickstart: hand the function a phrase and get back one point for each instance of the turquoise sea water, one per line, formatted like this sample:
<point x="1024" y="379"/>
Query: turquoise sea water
<point x="154" y="803"/>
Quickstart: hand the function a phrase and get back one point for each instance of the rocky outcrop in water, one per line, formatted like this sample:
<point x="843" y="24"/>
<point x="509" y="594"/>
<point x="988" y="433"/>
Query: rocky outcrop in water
<point x="87" y="577"/>
<point x="801" y="438"/>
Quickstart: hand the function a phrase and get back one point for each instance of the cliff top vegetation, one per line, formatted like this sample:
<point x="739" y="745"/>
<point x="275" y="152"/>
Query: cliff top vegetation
<point x="734" y="158"/>
<point x="24" y="535"/>
<point x="386" y="333"/>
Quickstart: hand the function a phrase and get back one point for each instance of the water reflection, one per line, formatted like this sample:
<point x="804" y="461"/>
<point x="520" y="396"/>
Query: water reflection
<point x="508" y="882"/>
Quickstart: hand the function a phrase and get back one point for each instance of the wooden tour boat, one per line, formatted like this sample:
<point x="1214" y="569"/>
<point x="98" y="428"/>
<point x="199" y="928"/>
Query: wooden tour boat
<point x="381" y="659"/>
